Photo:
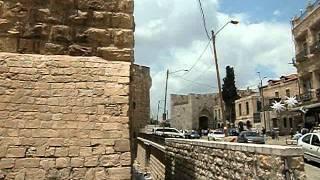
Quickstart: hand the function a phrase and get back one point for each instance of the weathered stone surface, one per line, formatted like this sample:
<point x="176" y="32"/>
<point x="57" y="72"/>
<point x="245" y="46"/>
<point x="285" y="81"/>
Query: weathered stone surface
<point x="122" y="145"/>
<point x="222" y="160"/>
<point x="51" y="106"/>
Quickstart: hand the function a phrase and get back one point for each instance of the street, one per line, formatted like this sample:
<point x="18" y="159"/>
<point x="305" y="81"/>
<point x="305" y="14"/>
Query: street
<point x="312" y="171"/>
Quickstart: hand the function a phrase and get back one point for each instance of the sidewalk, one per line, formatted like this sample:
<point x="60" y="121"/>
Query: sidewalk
<point x="280" y="141"/>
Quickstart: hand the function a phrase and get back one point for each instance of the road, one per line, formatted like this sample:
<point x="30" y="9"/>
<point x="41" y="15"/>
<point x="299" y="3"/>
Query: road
<point x="312" y="171"/>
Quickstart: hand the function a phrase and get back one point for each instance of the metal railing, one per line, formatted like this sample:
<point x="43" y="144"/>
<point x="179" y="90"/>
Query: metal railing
<point x="154" y="138"/>
<point x="305" y="96"/>
<point x="315" y="48"/>
<point x="305" y="13"/>
<point x="302" y="55"/>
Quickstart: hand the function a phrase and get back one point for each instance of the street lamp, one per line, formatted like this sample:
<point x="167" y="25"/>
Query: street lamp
<point x="262" y="98"/>
<point x="164" y="116"/>
<point x="217" y="67"/>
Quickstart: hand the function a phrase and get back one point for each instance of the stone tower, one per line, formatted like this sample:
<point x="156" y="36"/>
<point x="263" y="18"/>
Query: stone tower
<point x="64" y="89"/>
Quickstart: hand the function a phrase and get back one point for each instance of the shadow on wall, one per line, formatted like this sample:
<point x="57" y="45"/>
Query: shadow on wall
<point x="178" y="167"/>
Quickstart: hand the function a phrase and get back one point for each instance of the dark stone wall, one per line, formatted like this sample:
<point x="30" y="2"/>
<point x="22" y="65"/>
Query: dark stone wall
<point x="74" y="27"/>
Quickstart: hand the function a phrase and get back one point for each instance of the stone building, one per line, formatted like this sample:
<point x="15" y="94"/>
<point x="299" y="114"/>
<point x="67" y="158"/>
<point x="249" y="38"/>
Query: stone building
<point x="194" y="111"/>
<point x="276" y="90"/>
<point x="65" y="103"/>
<point x="140" y="101"/>
<point x="248" y="111"/>
<point x="306" y="32"/>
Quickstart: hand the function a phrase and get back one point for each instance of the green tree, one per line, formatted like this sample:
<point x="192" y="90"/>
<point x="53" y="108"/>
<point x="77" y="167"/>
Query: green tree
<point x="229" y="94"/>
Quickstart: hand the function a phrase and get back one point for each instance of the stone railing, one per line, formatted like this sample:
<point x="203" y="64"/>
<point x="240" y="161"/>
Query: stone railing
<point x="151" y="158"/>
<point x="190" y="159"/>
<point x="199" y="159"/>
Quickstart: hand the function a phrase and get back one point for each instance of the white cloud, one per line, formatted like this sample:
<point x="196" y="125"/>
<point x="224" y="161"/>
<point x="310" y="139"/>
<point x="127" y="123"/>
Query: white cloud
<point x="170" y="35"/>
<point x="276" y="13"/>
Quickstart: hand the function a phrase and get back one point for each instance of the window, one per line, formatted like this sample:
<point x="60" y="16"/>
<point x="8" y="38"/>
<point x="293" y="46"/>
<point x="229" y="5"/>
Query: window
<point x="315" y="140"/>
<point x="285" y="122"/>
<point x="259" y="106"/>
<point x="306" y="139"/>
<point x="274" y="122"/>
<point x="291" y="122"/>
<point x="305" y="48"/>
<point x="318" y="37"/>
<point x="240" y="110"/>
<point x="288" y="92"/>
<point x="276" y="94"/>
<point x="247" y="107"/>
<point x="215" y="114"/>
<point x="219" y="114"/>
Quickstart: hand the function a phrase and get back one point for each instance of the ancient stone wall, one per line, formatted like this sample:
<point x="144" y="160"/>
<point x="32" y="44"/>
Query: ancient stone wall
<point x="140" y="90"/>
<point x="75" y="27"/>
<point x="187" y="109"/>
<point x="190" y="159"/>
<point x="64" y="117"/>
<point x="151" y="159"/>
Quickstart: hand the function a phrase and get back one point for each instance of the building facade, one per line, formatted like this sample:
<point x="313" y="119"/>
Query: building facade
<point x="195" y="111"/>
<point x="306" y="32"/>
<point x="248" y="111"/>
<point x="279" y="90"/>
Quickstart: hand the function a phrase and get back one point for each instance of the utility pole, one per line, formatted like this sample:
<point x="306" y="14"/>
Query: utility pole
<point x="262" y="101"/>
<point x="218" y="78"/>
<point x="158" y="112"/>
<point x="164" y="117"/>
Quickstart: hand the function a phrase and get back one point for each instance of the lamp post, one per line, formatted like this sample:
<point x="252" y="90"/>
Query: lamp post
<point x="158" y="110"/>
<point x="217" y="67"/>
<point x="262" y="101"/>
<point x="164" y="116"/>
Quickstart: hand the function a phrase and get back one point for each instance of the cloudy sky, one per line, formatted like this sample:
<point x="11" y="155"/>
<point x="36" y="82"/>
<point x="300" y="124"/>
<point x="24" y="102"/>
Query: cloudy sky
<point x="170" y="35"/>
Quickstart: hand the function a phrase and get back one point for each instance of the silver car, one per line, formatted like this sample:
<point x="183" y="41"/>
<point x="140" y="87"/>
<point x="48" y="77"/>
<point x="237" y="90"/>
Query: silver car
<point x="310" y="144"/>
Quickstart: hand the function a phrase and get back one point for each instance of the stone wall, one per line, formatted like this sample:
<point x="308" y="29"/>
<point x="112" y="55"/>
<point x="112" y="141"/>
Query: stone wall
<point x="187" y="109"/>
<point x="192" y="159"/>
<point x="64" y="117"/>
<point x="140" y="90"/>
<point x="75" y="27"/>
<point x="151" y="158"/>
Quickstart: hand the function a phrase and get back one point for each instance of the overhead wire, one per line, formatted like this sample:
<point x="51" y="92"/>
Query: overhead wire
<point x="194" y="82"/>
<point x="204" y="19"/>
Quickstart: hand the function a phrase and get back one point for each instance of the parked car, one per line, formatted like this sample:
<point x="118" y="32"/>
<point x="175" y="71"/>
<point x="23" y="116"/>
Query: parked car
<point x="233" y="132"/>
<point x="315" y="129"/>
<point x="250" y="137"/>
<point x="192" y="135"/>
<point x="216" y="135"/>
<point x="168" y="132"/>
<point x="310" y="144"/>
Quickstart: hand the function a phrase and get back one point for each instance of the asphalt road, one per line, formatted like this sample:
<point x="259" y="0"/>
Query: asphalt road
<point x="312" y="171"/>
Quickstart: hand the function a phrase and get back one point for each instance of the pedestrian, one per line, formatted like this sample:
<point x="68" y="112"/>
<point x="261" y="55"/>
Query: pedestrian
<point x="263" y="131"/>
<point x="291" y="133"/>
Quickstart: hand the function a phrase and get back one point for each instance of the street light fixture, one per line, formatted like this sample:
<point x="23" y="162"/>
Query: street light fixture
<point x="164" y="117"/>
<point x="217" y="67"/>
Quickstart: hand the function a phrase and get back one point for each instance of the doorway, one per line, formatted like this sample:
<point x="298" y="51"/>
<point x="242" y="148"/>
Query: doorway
<point x="203" y="122"/>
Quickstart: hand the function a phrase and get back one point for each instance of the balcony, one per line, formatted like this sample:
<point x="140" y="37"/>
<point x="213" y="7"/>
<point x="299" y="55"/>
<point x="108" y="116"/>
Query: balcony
<point x="314" y="5"/>
<point x="302" y="55"/>
<point x="315" y="48"/>
<point x="305" y="97"/>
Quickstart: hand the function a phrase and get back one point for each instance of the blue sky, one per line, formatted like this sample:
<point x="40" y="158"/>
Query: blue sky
<point x="264" y="10"/>
<point x="170" y="35"/>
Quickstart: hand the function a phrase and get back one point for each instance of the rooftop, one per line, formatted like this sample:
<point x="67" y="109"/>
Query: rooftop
<point x="311" y="6"/>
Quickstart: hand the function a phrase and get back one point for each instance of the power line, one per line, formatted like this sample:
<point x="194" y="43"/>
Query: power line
<point x="204" y="19"/>
<point x="198" y="59"/>
<point x="191" y="81"/>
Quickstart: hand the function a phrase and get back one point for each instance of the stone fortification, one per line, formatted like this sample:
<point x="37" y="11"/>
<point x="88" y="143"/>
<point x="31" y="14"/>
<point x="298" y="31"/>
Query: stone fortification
<point x="74" y="27"/>
<point x="64" y="117"/>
